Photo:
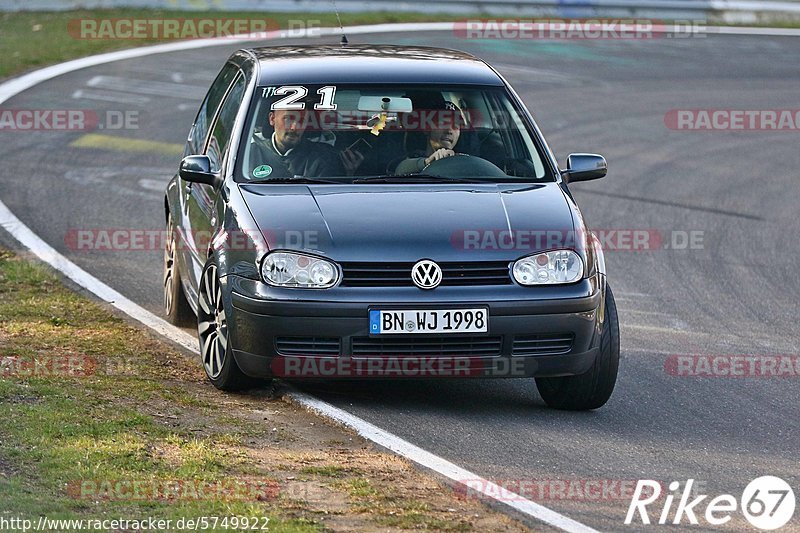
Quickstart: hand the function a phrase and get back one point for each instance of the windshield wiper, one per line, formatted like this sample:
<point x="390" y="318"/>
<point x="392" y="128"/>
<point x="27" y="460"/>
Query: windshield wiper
<point x="293" y="179"/>
<point x="407" y="178"/>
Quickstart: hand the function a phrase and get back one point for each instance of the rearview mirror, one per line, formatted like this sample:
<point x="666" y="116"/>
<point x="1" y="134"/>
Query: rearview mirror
<point x="197" y="169"/>
<point x="391" y="104"/>
<point x="585" y="167"/>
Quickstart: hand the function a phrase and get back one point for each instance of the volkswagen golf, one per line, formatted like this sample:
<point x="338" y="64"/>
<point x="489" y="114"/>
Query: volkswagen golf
<point x="384" y="211"/>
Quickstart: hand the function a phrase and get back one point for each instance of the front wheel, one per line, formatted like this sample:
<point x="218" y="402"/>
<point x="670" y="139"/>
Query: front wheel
<point x="593" y="388"/>
<point x="212" y="331"/>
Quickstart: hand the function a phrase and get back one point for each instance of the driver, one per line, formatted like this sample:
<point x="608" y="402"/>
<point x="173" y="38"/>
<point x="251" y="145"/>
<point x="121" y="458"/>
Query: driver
<point x="288" y="153"/>
<point x="440" y="142"/>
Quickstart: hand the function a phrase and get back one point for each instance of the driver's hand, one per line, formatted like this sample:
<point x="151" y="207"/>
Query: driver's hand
<point x="351" y="160"/>
<point x="441" y="153"/>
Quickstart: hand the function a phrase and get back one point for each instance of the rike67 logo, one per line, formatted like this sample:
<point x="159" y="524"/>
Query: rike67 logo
<point x="767" y="502"/>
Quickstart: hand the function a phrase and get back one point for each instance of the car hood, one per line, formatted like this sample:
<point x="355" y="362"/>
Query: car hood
<point x="387" y="222"/>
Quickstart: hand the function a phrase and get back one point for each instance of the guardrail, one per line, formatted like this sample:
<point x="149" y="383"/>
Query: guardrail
<point x="714" y="11"/>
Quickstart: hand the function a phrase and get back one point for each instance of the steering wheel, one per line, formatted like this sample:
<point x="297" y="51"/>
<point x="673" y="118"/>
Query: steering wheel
<point x="464" y="165"/>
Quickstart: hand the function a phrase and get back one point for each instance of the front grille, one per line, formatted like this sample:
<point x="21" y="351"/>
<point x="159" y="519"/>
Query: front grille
<point x="399" y="274"/>
<point x="469" y="346"/>
<point x="550" y="344"/>
<point x="305" y="346"/>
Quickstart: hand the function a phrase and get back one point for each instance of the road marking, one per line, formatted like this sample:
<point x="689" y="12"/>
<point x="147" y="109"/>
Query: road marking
<point x="49" y="255"/>
<point x="656" y="313"/>
<point x="631" y="294"/>
<point x="735" y="30"/>
<point x="123" y="144"/>
<point x="540" y="75"/>
<point x="662" y="330"/>
<point x="153" y="185"/>
<point x="120" y="180"/>
<point x="148" y="87"/>
<point x="107" y="96"/>
<point x="669" y="203"/>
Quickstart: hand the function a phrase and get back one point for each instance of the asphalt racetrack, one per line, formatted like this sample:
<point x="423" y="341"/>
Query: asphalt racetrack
<point x="717" y="278"/>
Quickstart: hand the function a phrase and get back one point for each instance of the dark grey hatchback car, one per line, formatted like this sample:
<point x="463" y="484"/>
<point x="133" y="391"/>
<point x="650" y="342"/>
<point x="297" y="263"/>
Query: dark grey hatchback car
<point x="383" y="211"/>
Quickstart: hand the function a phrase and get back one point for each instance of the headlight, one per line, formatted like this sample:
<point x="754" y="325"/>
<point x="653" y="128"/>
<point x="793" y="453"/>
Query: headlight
<point x="549" y="268"/>
<point x="288" y="269"/>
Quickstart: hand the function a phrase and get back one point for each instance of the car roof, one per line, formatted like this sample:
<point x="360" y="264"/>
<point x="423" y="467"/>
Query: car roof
<point x="371" y="64"/>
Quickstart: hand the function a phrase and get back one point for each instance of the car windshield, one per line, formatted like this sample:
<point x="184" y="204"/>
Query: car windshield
<point x="359" y="134"/>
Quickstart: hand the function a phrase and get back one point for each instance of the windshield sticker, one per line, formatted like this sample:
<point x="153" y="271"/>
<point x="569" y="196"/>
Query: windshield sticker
<point x="292" y="93"/>
<point x="295" y="93"/>
<point x="262" y="171"/>
<point x="326" y="102"/>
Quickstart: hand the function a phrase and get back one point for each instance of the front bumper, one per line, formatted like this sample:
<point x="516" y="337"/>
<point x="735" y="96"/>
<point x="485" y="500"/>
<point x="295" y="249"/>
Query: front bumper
<point x="330" y="339"/>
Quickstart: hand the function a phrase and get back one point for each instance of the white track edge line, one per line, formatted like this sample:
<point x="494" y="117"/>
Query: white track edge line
<point x="49" y="255"/>
<point x="471" y="481"/>
<point x="461" y="476"/>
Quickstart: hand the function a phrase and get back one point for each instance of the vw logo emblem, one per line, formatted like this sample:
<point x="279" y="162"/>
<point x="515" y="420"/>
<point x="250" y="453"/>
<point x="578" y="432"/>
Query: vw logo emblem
<point x="426" y="274"/>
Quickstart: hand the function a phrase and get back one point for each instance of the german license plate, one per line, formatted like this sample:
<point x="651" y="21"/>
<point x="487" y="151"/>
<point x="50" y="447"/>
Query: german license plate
<point x="399" y="321"/>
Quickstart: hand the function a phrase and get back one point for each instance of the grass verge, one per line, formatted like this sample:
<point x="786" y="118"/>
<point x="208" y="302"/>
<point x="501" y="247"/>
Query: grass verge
<point x="32" y="39"/>
<point x="103" y="421"/>
<point x="35" y="39"/>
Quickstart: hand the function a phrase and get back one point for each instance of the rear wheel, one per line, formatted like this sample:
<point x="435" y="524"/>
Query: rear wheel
<point x="592" y="389"/>
<point x="176" y="306"/>
<point x="212" y="331"/>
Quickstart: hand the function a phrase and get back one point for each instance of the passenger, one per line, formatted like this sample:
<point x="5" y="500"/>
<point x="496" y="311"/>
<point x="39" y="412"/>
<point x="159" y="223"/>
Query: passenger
<point x="288" y="153"/>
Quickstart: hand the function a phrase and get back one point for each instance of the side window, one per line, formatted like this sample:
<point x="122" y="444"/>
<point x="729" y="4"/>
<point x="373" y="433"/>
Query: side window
<point x="223" y="127"/>
<point x="209" y="108"/>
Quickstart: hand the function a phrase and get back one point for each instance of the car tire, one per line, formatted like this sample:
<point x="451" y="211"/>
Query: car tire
<point x="592" y="389"/>
<point x="216" y="350"/>
<point x="176" y="306"/>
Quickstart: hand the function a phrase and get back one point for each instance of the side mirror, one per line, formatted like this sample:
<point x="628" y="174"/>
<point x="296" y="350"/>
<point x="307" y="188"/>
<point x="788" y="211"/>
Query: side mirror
<point x="197" y="169"/>
<point x="585" y="167"/>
